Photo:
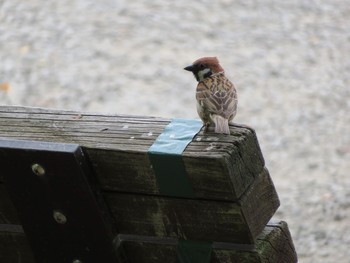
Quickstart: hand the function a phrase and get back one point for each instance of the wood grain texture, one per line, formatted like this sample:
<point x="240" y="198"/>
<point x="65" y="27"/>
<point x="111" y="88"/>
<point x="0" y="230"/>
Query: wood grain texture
<point x="258" y="202"/>
<point x="274" y="245"/>
<point x="238" y="222"/>
<point x="207" y="220"/>
<point x="218" y="166"/>
<point x="279" y="246"/>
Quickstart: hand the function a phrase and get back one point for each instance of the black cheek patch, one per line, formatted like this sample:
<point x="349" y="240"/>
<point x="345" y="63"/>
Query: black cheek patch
<point x="207" y="75"/>
<point x="196" y="75"/>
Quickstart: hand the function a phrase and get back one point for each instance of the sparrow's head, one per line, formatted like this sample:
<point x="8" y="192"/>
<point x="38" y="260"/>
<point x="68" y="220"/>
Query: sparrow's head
<point x="204" y="67"/>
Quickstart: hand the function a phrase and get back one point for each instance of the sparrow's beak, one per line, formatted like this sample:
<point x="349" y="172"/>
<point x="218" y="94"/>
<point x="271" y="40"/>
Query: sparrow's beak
<point x="189" y="68"/>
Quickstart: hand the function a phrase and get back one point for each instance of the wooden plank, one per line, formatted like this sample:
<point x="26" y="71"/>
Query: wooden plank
<point x="238" y="222"/>
<point x="258" y="203"/>
<point x="274" y="245"/>
<point x="218" y="166"/>
<point x="14" y="246"/>
<point x="279" y="247"/>
<point x="151" y="215"/>
<point x="138" y="249"/>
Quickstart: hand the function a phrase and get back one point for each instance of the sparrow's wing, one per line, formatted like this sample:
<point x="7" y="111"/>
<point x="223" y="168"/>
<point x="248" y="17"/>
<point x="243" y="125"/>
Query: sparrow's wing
<point x="217" y="96"/>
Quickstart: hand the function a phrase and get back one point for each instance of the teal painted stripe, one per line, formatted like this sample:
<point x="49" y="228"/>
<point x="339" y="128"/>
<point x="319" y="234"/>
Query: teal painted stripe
<point x="176" y="136"/>
<point x="193" y="251"/>
<point x="166" y="157"/>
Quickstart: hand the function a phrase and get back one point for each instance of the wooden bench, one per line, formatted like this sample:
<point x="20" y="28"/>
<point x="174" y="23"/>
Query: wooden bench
<point x="82" y="187"/>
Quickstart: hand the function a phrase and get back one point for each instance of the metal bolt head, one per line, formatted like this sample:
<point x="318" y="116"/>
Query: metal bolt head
<point x="59" y="217"/>
<point x="38" y="169"/>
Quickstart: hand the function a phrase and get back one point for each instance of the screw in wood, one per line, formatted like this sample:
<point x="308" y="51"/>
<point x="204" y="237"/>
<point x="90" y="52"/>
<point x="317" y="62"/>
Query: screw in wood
<point x="59" y="217"/>
<point x="38" y="169"/>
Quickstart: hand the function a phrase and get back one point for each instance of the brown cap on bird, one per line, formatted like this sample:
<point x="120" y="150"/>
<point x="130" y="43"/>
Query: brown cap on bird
<point x="210" y="62"/>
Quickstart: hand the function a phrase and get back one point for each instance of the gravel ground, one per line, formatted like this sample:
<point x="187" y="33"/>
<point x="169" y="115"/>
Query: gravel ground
<point x="289" y="61"/>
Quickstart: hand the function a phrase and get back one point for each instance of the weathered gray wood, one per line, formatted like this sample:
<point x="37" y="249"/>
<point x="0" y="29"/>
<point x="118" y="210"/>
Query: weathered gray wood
<point x="259" y="203"/>
<point x="14" y="246"/>
<point x="219" y="167"/>
<point x="274" y="245"/>
<point x="238" y="222"/>
<point x="279" y="246"/>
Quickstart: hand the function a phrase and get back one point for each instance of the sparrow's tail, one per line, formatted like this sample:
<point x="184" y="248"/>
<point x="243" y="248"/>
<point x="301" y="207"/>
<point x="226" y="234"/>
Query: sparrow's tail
<point x="221" y="124"/>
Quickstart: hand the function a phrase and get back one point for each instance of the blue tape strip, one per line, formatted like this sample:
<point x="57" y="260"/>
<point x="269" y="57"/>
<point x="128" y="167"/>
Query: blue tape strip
<point x="176" y="136"/>
<point x="166" y="157"/>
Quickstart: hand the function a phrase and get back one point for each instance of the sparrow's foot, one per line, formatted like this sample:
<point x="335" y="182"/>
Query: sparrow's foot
<point x="206" y="127"/>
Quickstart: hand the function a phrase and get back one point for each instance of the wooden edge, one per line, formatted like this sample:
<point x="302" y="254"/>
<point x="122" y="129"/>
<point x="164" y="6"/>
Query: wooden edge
<point x="107" y="142"/>
<point x="274" y="245"/>
<point x="287" y="246"/>
<point x="259" y="203"/>
<point x="41" y="110"/>
<point x="188" y="219"/>
<point x="239" y="221"/>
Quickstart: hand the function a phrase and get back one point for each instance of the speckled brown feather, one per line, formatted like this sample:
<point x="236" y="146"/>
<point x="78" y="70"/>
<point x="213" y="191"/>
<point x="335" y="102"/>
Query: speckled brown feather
<point x="216" y="95"/>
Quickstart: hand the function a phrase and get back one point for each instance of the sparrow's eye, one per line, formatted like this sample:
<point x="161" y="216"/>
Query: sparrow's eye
<point x="201" y="66"/>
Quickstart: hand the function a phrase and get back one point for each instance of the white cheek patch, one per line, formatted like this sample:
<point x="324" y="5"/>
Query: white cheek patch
<point x="202" y="73"/>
